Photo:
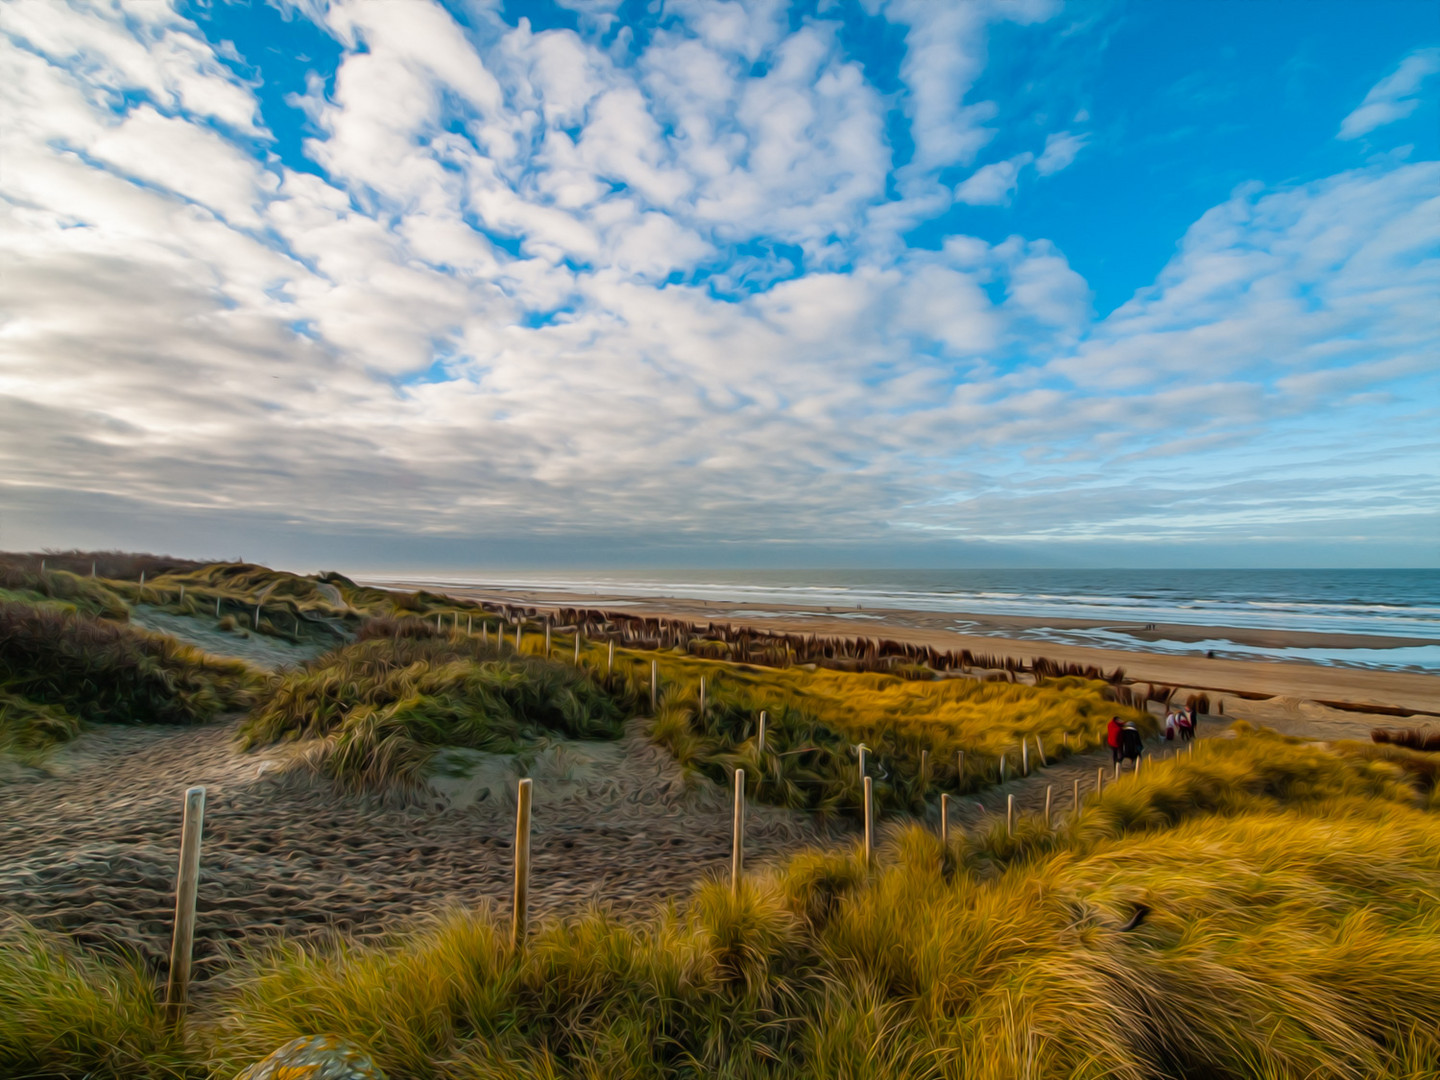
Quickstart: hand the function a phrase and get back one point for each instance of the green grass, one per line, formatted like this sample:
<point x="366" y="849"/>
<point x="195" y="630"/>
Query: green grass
<point x="383" y="706"/>
<point x="1293" y="931"/>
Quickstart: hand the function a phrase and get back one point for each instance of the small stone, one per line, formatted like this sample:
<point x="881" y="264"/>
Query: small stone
<point x="314" y="1057"/>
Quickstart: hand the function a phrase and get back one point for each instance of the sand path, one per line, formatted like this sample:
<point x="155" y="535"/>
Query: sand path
<point x="88" y="843"/>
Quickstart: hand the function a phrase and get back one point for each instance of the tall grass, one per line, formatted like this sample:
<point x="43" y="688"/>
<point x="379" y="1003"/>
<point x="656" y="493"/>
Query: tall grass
<point x="1294" y="932"/>
<point x="817" y="717"/>
<point x="106" y="672"/>
<point x="384" y="705"/>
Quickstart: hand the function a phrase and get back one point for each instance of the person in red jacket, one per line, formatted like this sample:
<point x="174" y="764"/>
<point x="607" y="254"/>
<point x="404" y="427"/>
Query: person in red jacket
<point x="1112" y="737"/>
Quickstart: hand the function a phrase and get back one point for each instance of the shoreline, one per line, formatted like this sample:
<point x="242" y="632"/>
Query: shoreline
<point x="1288" y="680"/>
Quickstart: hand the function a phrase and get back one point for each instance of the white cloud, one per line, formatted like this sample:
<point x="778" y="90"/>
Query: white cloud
<point x="1394" y="97"/>
<point x="993" y="185"/>
<point x="1060" y="150"/>
<point x="467" y="325"/>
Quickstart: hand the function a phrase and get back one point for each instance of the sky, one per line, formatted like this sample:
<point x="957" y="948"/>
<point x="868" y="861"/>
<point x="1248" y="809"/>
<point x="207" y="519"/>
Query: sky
<point x="723" y="282"/>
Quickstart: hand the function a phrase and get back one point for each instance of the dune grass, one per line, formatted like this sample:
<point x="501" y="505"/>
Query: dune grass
<point x="913" y="729"/>
<point x="382" y="706"/>
<point x="1291" y="930"/>
<point x="59" y="667"/>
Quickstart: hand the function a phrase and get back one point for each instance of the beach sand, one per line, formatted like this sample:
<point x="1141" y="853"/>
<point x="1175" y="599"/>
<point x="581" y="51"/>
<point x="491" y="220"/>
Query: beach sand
<point x="1295" y="691"/>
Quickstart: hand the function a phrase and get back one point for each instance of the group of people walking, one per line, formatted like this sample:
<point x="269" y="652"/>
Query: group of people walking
<point x="1126" y="742"/>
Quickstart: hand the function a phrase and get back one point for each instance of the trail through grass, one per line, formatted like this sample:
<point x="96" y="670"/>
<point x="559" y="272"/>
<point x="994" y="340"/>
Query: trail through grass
<point x="1291" y="929"/>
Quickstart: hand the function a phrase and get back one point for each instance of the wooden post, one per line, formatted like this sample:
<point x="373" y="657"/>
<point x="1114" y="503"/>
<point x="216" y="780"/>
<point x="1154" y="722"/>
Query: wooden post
<point x="1099" y="779"/>
<point x="217" y="607"/>
<point x="1002" y="768"/>
<point x="187" y="881"/>
<point x="1024" y="757"/>
<point x="1077" y="796"/>
<point x="182" y="594"/>
<point x="760" y="748"/>
<point x="945" y="821"/>
<point x="142" y="579"/>
<point x="959" y="769"/>
<point x="1040" y="748"/>
<point x="869" y="823"/>
<point x="1117" y="770"/>
<point x="702" y="695"/>
<point x="257" y="616"/>
<point x="924" y="769"/>
<point x="92" y="574"/>
<point x="1009" y="815"/>
<point x="518" y="631"/>
<point x="610" y="660"/>
<point x="654" y="686"/>
<point x="860" y="753"/>
<point x="737" y="842"/>
<point x="469" y="625"/>
<point x="1049" y="791"/>
<point x="438" y="624"/>
<point x="520" y="919"/>
<point x="484" y="633"/>
<point x="577" y="646"/>
<point x="547" y="642"/>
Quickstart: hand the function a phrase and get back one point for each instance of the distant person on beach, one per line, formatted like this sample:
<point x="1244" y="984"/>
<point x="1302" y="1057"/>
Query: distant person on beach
<point x="1132" y="745"/>
<point x="1186" y="722"/>
<point x="1171" y="723"/>
<point x="1112" y="738"/>
<point x="1194" y="720"/>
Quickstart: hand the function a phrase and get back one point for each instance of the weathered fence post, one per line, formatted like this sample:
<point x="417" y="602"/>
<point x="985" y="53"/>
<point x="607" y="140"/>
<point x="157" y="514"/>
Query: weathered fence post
<point x="577" y="646"/>
<point x="1009" y="815"/>
<point x="924" y="769"/>
<point x="1002" y="768"/>
<point x="1024" y="757"/>
<point x="959" y="769"/>
<point x="945" y="821"/>
<point x="547" y="640"/>
<point x="1117" y="770"/>
<point x="737" y="842"/>
<point x="1040" y="748"/>
<point x="760" y="747"/>
<point x="654" y="686"/>
<point x="1049" y="790"/>
<point x="520" y="918"/>
<point x="519" y="629"/>
<point x="610" y="660"/>
<point x="469" y="625"/>
<point x="860" y="753"/>
<point x="869" y="823"/>
<point x="702" y="696"/>
<point x="1077" y="796"/>
<point x="187" y="882"/>
<point x="257" y="616"/>
<point x="1099" y="779"/>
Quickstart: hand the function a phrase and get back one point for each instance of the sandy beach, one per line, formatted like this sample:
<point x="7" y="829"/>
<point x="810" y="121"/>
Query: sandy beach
<point x="1296" y="691"/>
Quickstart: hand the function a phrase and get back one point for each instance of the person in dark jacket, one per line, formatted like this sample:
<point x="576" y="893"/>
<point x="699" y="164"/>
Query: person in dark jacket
<point x="1112" y="738"/>
<point x="1132" y="744"/>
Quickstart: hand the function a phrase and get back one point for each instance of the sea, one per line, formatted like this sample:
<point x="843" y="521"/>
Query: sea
<point x="1387" y="603"/>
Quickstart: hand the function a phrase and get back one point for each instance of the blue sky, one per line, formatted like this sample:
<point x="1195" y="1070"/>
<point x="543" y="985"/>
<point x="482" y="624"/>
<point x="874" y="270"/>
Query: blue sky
<point x="892" y="282"/>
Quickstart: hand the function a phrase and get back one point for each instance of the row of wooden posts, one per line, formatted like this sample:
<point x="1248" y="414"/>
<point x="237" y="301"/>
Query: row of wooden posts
<point x="188" y="878"/>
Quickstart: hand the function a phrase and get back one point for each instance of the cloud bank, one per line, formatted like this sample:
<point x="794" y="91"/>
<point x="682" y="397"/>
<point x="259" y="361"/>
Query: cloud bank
<point x="571" y="282"/>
